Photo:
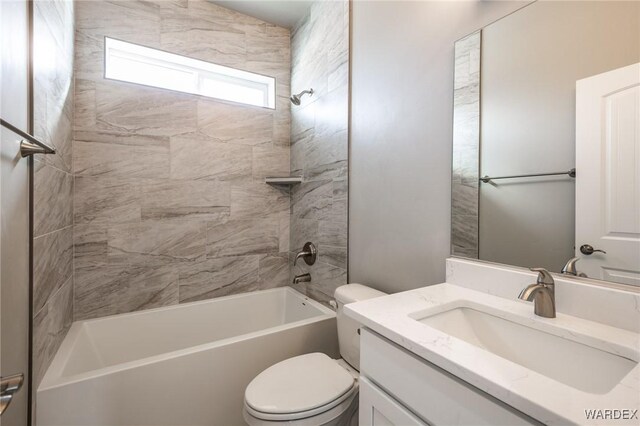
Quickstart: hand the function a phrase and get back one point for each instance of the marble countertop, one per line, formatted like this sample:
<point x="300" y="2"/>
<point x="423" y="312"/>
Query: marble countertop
<point x="546" y="400"/>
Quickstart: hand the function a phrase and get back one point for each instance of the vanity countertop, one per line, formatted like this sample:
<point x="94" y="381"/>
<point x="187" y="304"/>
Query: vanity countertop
<point x="546" y="400"/>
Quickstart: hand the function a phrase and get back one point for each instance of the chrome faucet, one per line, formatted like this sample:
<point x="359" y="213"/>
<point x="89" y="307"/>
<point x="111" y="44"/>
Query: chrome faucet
<point x="308" y="253"/>
<point x="542" y="293"/>
<point x="303" y="278"/>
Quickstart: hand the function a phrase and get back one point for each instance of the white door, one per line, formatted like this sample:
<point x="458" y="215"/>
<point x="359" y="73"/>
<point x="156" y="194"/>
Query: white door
<point x="608" y="175"/>
<point x="14" y="213"/>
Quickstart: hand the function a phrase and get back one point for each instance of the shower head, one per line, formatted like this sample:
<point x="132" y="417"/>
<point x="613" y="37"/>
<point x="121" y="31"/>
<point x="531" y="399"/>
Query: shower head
<point x="295" y="99"/>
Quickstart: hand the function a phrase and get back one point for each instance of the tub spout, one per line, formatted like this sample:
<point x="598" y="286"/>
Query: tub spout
<point x="304" y="278"/>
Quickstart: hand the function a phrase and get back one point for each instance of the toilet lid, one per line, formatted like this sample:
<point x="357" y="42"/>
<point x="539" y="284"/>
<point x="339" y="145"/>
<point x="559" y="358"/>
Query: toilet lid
<point x="298" y="384"/>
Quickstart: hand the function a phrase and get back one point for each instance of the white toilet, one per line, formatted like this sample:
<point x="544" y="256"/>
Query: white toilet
<point x="313" y="389"/>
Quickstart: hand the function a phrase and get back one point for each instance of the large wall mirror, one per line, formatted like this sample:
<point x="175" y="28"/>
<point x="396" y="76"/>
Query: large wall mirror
<point x="546" y="150"/>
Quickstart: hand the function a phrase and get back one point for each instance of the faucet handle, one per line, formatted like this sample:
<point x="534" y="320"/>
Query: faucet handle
<point x="544" y="277"/>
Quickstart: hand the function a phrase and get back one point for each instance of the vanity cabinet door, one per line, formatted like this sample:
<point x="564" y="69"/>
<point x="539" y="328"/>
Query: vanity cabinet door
<point x="379" y="409"/>
<point x="432" y="393"/>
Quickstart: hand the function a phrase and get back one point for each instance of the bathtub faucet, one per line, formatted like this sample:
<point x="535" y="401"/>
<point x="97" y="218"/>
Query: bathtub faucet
<point x="308" y="253"/>
<point x="304" y="278"/>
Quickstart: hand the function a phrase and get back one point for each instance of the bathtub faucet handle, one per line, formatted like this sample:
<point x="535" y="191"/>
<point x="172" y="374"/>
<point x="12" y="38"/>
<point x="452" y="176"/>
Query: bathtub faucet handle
<point x="308" y="253"/>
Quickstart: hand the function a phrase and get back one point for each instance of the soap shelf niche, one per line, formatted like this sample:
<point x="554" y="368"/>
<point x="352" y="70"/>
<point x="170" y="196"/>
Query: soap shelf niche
<point x="285" y="180"/>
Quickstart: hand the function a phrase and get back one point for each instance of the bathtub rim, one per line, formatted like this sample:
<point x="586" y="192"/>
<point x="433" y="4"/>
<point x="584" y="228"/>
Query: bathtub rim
<point x="53" y="377"/>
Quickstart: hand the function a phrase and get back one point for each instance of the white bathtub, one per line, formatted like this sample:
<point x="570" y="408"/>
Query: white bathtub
<point x="181" y="365"/>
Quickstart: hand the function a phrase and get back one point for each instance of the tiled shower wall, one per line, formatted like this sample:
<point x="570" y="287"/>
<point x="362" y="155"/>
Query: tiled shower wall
<point x="319" y="144"/>
<point x="466" y="147"/>
<point x="53" y="180"/>
<point x="170" y="200"/>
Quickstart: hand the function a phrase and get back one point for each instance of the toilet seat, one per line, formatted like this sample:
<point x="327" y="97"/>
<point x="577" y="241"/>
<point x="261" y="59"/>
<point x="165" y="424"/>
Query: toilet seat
<point x="300" y="387"/>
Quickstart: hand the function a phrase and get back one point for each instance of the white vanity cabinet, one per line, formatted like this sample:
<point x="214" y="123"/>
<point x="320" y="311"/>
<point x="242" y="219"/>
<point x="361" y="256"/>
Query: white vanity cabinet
<point x="399" y="388"/>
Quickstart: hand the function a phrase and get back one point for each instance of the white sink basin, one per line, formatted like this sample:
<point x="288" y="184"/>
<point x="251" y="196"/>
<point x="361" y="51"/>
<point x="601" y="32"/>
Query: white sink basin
<point x="580" y="366"/>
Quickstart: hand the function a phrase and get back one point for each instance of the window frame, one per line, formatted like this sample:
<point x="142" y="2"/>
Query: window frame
<point x="200" y="70"/>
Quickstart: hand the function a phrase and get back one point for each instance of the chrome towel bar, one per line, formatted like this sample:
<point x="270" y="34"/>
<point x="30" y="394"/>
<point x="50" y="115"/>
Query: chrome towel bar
<point x="31" y="145"/>
<point x="571" y="173"/>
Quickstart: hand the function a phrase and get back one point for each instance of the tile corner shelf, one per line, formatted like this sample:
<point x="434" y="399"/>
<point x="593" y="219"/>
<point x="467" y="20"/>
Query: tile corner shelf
<point x="286" y="180"/>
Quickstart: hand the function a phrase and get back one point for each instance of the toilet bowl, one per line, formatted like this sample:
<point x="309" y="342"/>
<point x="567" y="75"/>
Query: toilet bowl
<point x="313" y="389"/>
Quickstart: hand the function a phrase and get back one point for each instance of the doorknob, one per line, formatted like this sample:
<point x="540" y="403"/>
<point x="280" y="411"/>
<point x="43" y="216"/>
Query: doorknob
<point x="8" y="387"/>
<point x="589" y="250"/>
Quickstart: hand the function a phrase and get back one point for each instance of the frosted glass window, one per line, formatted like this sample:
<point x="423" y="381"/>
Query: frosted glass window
<point x="151" y="67"/>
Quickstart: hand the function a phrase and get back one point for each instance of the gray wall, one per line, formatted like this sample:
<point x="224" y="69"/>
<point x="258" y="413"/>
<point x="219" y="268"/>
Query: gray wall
<point x="53" y="181"/>
<point x="530" y="63"/>
<point x="401" y="136"/>
<point x="171" y="204"/>
<point x="319" y="144"/>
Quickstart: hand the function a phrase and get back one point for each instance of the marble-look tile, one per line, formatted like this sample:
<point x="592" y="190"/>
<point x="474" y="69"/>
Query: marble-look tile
<point x="131" y="108"/>
<point x="464" y="200"/>
<point x="84" y="111"/>
<point x="303" y="119"/>
<point x="156" y="242"/>
<point x="89" y="56"/>
<point x="274" y="271"/>
<point x="53" y="113"/>
<point x="282" y="118"/>
<point x="254" y="200"/>
<point x="464" y="231"/>
<point x="340" y="189"/>
<point x="185" y="199"/>
<point x="120" y="155"/>
<point x="464" y="252"/>
<point x="237" y="124"/>
<point x="219" y="277"/>
<point x="337" y="171"/>
<point x="177" y="161"/>
<point x="53" y="106"/>
<point x="325" y="279"/>
<point x="52" y="199"/>
<point x="55" y="18"/>
<point x="134" y="21"/>
<point x="466" y="147"/>
<point x="212" y="33"/>
<point x="272" y="46"/>
<point x="312" y="200"/>
<point x="195" y="36"/>
<point x="226" y="18"/>
<point x="332" y="112"/>
<point x="101" y="200"/>
<point x="284" y="233"/>
<point x="296" y="153"/>
<point x="332" y="255"/>
<point x="332" y="232"/>
<point x="303" y="230"/>
<point x="242" y="237"/>
<point x="339" y="210"/>
<point x="114" y="289"/>
<point x="208" y="16"/>
<point x="338" y="46"/>
<point x="50" y="325"/>
<point x="339" y="76"/>
<point x="270" y="160"/>
<point x="330" y="277"/>
<point x="319" y="145"/>
<point x="325" y="150"/>
<point x="197" y="156"/>
<point x="52" y="264"/>
<point x="90" y="246"/>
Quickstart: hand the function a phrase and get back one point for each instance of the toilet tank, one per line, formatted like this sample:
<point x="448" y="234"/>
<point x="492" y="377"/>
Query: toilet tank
<point x="348" y="336"/>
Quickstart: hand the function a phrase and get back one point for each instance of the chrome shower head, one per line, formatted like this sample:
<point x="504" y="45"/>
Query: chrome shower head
<point x="295" y="99"/>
